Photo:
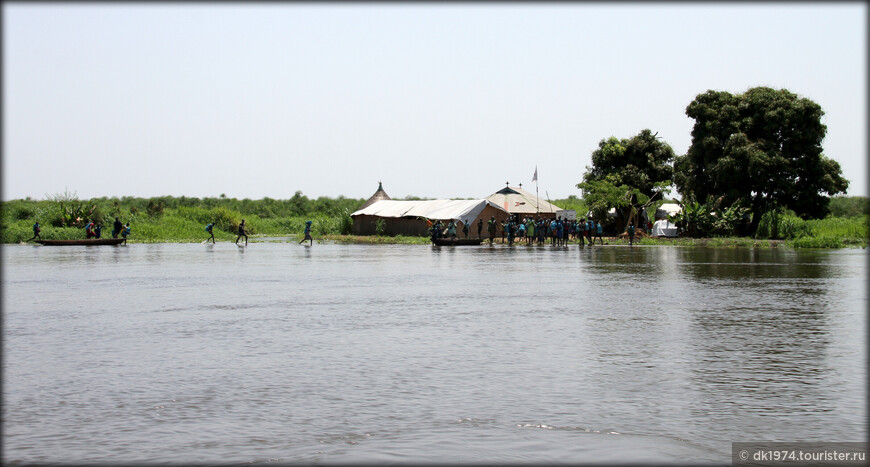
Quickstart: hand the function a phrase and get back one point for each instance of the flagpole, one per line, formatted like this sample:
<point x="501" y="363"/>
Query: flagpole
<point x="537" y="197"/>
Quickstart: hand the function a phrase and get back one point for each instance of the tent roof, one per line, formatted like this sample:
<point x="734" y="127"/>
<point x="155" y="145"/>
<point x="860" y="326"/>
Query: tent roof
<point x="668" y="209"/>
<point x="460" y="209"/>
<point x="516" y="200"/>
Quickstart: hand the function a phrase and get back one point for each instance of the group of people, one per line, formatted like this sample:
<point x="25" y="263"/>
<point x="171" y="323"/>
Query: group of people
<point x="242" y="231"/>
<point x="92" y="230"/>
<point x="557" y="231"/>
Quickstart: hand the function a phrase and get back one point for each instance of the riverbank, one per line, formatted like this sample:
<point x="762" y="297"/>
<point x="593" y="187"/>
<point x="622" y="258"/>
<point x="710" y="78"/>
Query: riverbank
<point x="723" y="242"/>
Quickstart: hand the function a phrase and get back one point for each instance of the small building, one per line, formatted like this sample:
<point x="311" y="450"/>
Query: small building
<point x="395" y="217"/>
<point x="520" y="202"/>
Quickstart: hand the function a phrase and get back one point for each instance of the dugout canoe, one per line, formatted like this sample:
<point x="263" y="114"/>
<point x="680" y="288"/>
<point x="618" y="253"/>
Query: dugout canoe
<point x="89" y="241"/>
<point x="457" y="241"/>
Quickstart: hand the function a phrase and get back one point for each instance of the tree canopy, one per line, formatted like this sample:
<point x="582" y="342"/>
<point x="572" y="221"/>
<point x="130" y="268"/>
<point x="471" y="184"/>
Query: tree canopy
<point x="641" y="162"/>
<point x="762" y="148"/>
<point x="627" y="173"/>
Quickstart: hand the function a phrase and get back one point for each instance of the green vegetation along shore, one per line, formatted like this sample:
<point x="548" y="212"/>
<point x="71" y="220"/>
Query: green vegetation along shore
<point x="182" y="219"/>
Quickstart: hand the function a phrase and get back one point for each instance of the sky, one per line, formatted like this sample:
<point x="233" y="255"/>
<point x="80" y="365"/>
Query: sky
<point x="435" y="100"/>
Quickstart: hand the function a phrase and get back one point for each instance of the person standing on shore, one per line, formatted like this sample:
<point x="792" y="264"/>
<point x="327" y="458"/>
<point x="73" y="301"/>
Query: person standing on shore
<point x="36" y="231"/>
<point x="307" y="234"/>
<point x="210" y="229"/>
<point x="599" y="231"/>
<point x="631" y="234"/>
<point x="242" y="233"/>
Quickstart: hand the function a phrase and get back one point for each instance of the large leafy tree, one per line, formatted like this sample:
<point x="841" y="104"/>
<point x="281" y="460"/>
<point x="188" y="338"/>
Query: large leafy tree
<point x="762" y="148"/>
<point x="640" y="162"/>
<point x="632" y="171"/>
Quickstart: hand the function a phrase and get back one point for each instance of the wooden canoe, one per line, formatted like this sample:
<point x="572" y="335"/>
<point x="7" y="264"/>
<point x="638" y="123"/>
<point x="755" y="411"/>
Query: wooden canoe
<point x="457" y="241"/>
<point x="89" y="241"/>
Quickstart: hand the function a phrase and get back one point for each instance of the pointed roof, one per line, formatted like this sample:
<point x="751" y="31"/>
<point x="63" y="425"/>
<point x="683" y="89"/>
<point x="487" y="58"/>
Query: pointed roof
<point x="378" y="196"/>
<point x="516" y="200"/>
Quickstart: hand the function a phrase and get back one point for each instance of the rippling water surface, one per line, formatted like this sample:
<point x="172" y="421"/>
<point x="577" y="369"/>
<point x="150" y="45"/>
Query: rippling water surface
<point x="408" y="353"/>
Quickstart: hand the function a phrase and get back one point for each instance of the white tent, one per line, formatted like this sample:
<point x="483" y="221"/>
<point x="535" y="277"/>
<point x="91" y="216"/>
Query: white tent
<point x="516" y="200"/>
<point x="436" y="209"/>
<point x="399" y="217"/>
<point x="664" y="228"/>
<point x="668" y="210"/>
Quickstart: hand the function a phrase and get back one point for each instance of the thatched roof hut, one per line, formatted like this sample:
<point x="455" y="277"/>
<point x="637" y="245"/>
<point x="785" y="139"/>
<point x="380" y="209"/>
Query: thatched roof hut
<point x="379" y="195"/>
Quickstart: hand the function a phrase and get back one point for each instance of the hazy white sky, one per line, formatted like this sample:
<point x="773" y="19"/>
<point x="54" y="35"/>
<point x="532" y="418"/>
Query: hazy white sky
<point x="437" y="100"/>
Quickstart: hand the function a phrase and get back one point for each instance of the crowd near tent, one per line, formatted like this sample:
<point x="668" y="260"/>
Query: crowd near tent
<point x="515" y="200"/>
<point x="395" y="217"/>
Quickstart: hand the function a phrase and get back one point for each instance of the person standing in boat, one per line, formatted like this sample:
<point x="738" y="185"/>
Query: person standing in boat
<point x="89" y="230"/>
<point x="307" y="233"/>
<point x="480" y="227"/>
<point x="116" y="228"/>
<point x="451" y="229"/>
<point x="242" y="233"/>
<point x="465" y="227"/>
<point x="210" y="229"/>
<point x="98" y="231"/>
<point x="125" y="232"/>
<point x="36" y="231"/>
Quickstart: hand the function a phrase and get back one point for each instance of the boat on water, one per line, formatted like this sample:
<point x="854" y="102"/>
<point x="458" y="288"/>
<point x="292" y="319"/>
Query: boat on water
<point x="89" y="241"/>
<point x="456" y="241"/>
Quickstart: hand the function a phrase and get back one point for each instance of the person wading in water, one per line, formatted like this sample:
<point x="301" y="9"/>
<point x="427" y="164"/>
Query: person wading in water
<point x="242" y="233"/>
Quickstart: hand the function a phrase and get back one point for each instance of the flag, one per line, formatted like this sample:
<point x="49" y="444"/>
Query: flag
<point x="535" y="177"/>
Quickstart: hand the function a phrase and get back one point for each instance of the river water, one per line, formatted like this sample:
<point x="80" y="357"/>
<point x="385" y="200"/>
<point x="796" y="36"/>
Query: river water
<point x="278" y="352"/>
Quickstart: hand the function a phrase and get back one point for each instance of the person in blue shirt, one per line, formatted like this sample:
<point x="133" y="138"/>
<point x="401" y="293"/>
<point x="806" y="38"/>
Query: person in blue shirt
<point x="36" y="231"/>
<point x="599" y="231"/>
<point x="98" y="231"/>
<point x="210" y="229"/>
<point x="307" y="234"/>
<point x="126" y="232"/>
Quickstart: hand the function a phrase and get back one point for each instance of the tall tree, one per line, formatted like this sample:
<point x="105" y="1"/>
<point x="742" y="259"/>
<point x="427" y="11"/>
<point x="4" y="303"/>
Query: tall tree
<point x="640" y="162"/>
<point x="762" y="148"/>
<point x="640" y="166"/>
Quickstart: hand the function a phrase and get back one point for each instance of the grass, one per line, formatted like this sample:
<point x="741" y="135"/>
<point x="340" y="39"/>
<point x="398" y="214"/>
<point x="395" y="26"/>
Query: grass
<point x="186" y="223"/>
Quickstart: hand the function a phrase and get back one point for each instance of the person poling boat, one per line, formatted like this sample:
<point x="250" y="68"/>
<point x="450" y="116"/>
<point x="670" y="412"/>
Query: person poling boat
<point x="116" y="228"/>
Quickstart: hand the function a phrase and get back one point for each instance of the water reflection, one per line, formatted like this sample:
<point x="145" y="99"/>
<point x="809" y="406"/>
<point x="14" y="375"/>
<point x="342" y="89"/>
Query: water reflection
<point x="283" y="345"/>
